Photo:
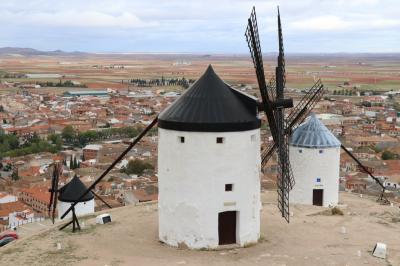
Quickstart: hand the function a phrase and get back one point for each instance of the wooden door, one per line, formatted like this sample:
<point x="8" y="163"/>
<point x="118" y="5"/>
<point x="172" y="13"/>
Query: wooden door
<point x="318" y="197"/>
<point x="227" y="227"/>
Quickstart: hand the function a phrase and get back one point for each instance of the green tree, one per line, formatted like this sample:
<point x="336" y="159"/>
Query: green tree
<point x="396" y="106"/>
<point x="75" y="163"/>
<point x="7" y="167"/>
<point x="137" y="167"/>
<point x="68" y="133"/>
<point x="377" y="149"/>
<point x="71" y="163"/>
<point x="8" y="142"/>
<point x="388" y="155"/>
<point x="14" y="175"/>
<point x="34" y="138"/>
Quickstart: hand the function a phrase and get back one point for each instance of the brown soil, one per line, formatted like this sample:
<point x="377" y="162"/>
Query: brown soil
<point x="131" y="239"/>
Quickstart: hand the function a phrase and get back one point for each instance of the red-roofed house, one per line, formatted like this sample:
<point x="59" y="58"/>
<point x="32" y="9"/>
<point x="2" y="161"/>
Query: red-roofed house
<point x="36" y="197"/>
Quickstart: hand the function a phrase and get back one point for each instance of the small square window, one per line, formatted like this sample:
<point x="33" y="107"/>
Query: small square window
<point x="300" y="151"/>
<point x="228" y="187"/>
<point x="318" y="180"/>
<point x="181" y="139"/>
<point x="220" y="140"/>
<point x="321" y="151"/>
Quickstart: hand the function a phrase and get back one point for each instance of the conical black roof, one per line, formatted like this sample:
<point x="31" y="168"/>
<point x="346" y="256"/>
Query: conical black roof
<point x="73" y="190"/>
<point x="210" y="105"/>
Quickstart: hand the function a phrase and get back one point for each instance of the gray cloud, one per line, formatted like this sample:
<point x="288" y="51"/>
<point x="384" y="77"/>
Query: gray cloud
<point x="199" y="25"/>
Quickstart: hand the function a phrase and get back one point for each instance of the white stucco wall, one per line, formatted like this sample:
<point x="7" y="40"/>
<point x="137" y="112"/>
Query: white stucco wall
<point x="81" y="208"/>
<point x="7" y="199"/>
<point x="309" y="165"/>
<point x="192" y="178"/>
<point x="14" y="220"/>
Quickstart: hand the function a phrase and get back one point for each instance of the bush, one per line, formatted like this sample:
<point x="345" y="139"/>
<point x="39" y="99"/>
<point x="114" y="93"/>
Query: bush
<point x="336" y="211"/>
<point x="137" y="167"/>
<point x="388" y="155"/>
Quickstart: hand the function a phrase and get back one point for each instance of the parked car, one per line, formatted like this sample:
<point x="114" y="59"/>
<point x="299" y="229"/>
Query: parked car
<point x="9" y="234"/>
<point x="6" y="240"/>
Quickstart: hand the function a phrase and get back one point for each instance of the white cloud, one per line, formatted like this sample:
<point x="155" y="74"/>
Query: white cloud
<point x="76" y="19"/>
<point x="334" y="23"/>
<point x="385" y="23"/>
<point x="320" y="23"/>
<point x="199" y="25"/>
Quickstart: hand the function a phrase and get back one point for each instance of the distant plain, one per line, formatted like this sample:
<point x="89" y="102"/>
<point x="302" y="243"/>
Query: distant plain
<point x="100" y="71"/>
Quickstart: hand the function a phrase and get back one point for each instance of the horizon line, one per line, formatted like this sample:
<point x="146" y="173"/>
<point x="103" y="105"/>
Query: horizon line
<point x="198" y="53"/>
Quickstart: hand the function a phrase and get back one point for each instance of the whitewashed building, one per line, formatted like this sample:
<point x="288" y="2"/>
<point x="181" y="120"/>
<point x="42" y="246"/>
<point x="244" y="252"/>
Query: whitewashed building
<point x="7" y="198"/>
<point x="70" y="193"/>
<point x="209" y="167"/>
<point x="314" y="154"/>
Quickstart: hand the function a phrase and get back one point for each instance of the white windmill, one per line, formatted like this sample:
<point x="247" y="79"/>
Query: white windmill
<point x="209" y="167"/>
<point x="314" y="154"/>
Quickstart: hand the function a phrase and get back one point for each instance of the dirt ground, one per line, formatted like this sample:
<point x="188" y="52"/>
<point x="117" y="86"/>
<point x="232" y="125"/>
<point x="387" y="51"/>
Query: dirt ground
<point x="311" y="238"/>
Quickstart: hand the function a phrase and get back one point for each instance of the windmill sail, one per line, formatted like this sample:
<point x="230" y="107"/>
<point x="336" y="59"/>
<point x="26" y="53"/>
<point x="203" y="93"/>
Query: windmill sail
<point x="297" y="115"/>
<point x="273" y="101"/>
<point x="57" y="169"/>
<point x="285" y="179"/>
<point x="253" y="41"/>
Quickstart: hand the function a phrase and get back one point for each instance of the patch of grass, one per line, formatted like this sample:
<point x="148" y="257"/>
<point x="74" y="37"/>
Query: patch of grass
<point x="249" y="244"/>
<point x="207" y="249"/>
<point x="395" y="219"/>
<point x="329" y="212"/>
<point x="88" y="229"/>
<point x="182" y="245"/>
<point x="262" y="239"/>
<point x="336" y="211"/>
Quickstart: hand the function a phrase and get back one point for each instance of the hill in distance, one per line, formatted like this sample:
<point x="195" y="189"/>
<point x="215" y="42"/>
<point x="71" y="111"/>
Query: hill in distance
<point x="34" y="52"/>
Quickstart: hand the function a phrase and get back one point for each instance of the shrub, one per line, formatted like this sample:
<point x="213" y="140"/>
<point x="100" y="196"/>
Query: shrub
<point x="336" y="211"/>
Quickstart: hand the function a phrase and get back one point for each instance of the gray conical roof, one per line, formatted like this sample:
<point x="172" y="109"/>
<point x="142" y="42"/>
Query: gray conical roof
<point x="313" y="134"/>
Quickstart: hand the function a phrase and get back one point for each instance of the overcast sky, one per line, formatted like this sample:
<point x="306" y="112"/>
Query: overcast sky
<point x="200" y="26"/>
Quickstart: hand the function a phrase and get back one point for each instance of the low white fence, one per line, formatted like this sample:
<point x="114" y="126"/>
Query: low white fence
<point x="25" y="221"/>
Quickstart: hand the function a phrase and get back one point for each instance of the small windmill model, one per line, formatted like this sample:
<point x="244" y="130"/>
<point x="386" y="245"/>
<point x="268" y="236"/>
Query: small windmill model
<point x="274" y="105"/>
<point x="54" y="191"/>
<point x="61" y="197"/>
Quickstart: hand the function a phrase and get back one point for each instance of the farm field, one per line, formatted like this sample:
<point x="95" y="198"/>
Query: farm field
<point x="100" y="71"/>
